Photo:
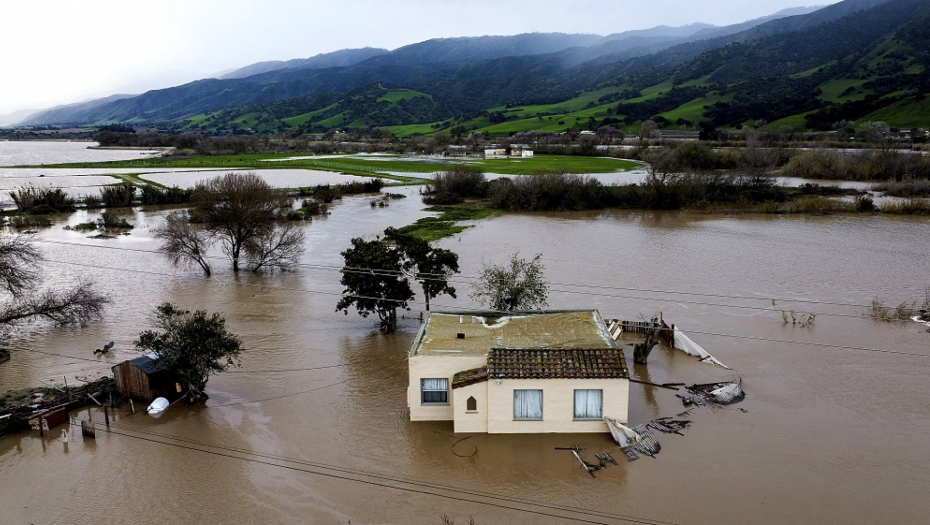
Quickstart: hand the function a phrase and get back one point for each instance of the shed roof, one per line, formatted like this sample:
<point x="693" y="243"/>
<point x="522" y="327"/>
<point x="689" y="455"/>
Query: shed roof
<point x="147" y="363"/>
<point x="575" y="363"/>
<point x="481" y="331"/>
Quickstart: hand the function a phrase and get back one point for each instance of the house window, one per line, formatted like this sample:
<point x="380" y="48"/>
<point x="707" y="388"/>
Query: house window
<point x="589" y="404"/>
<point x="527" y="404"/>
<point x="434" y="391"/>
<point x="471" y="404"/>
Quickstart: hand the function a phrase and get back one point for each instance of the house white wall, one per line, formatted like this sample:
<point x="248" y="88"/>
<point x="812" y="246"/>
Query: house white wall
<point x="434" y="367"/>
<point x="558" y="405"/>
<point x="471" y="420"/>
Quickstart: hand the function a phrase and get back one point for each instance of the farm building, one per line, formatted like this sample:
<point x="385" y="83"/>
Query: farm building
<point x="144" y="379"/>
<point x="521" y="151"/>
<point x="495" y="152"/>
<point x="533" y="372"/>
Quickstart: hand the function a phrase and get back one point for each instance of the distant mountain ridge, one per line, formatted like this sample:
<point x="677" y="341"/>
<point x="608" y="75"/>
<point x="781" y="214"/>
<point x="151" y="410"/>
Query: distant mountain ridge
<point x="457" y="78"/>
<point x="341" y="58"/>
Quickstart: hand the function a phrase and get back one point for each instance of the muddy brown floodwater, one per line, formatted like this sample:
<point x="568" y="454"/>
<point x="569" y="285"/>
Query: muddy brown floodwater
<point x="833" y="432"/>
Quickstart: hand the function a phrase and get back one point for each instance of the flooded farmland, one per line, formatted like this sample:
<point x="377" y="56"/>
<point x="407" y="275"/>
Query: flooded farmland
<point x="313" y="427"/>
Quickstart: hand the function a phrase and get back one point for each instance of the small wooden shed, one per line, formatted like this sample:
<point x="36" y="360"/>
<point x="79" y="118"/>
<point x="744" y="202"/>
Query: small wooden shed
<point x="144" y="379"/>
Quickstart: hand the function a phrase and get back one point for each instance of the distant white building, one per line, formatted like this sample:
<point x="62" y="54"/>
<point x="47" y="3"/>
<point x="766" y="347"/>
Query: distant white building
<point x="513" y="152"/>
<point x="521" y="151"/>
<point x="495" y="153"/>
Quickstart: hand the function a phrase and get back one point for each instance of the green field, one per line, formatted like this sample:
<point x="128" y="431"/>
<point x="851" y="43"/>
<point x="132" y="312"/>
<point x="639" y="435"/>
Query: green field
<point x="368" y="167"/>
<point x="694" y="110"/>
<point x="833" y="91"/>
<point x="905" y="114"/>
<point x="396" y="95"/>
<point x="798" y="122"/>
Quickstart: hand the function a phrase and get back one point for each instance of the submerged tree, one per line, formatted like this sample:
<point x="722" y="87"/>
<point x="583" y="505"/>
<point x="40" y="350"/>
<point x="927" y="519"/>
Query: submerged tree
<point x="19" y="280"/>
<point x="374" y="281"/>
<point x="183" y="243"/>
<point x="429" y="266"/>
<point x="243" y="212"/>
<point x="517" y="286"/>
<point x="278" y="248"/>
<point x="192" y="344"/>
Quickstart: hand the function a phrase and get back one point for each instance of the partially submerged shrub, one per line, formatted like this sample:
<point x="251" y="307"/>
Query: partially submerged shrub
<point x="173" y="195"/>
<point x="21" y="222"/>
<point x="83" y="227"/>
<point x="313" y="207"/>
<point x="443" y="197"/>
<point x="904" y="311"/>
<point x="910" y="189"/>
<point x="30" y="199"/>
<point x="554" y="192"/>
<point x="117" y="195"/>
<point x="109" y="220"/>
<point x="461" y="180"/>
<point x="907" y="207"/>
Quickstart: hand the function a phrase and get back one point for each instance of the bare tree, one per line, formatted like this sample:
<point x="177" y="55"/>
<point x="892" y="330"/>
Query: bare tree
<point x="19" y="277"/>
<point x="184" y="244"/>
<point x="79" y="305"/>
<point x="647" y="130"/>
<point x="239" y="209"/>
<point x="756" y="160"/>
<point x="18" y="261"/>
<point x="517" y="286"/>
<point x="278" y="247"/>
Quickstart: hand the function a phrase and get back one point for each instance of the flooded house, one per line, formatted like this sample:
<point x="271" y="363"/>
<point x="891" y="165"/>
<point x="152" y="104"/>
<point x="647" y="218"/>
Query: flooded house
<point x="529" y="372"/>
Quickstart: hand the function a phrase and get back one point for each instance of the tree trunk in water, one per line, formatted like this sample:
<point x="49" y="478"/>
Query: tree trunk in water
<point x="641" y="350"/>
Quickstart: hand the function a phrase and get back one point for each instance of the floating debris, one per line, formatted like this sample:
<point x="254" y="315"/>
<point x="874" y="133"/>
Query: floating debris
<point x="717" y="393"/>
<point x="603" y="458"/>
<point x="669" y="425"/>
<point x="686" y="345"/>
<point x="633" y="441"/>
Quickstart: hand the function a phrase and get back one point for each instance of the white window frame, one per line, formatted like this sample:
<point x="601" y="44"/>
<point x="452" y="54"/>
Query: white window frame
<point x="588" y="392"/>
<point x="525" y="408"/>
<point x="424" y="390"/>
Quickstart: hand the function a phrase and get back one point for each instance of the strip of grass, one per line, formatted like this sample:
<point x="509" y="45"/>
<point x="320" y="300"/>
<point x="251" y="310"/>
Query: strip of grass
<point x="434" y="228"/>
<point x="536" y="165"/>
<point x="542" y="164"/>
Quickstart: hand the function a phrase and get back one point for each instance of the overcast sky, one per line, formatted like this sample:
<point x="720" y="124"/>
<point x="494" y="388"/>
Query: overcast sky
<point x="63" y="51"/>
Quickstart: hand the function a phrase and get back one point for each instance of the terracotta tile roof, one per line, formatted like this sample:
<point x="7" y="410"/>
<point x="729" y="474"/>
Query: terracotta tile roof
<point x="470" y="377"/>
<point x="601" y="363"/>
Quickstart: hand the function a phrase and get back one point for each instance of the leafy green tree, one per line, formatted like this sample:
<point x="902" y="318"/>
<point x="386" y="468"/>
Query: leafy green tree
<point x="429" y="266"/>
<point x="374" y="281"/>
<point x="193" y="344"/>
<point x="517" y="286"/>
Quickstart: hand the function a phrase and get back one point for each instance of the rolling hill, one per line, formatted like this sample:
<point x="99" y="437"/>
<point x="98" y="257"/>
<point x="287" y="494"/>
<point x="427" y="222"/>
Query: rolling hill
<point x="811" y="69"/>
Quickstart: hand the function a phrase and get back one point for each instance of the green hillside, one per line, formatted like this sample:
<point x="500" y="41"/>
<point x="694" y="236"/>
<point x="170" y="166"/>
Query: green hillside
<point x="814" y="71"/>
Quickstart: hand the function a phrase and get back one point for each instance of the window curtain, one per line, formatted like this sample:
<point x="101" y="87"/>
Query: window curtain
<point x="435" y="390"/>
<point x="588" y="404"/>
<point x="527" y="404"/>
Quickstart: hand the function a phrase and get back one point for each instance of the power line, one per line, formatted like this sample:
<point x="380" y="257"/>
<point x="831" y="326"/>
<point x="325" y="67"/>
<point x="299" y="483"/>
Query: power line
<point x="374" y="271"/>
<point x="465" y="279"/>
<point x="355" y="472"/>
<point x="450" y="307"/>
